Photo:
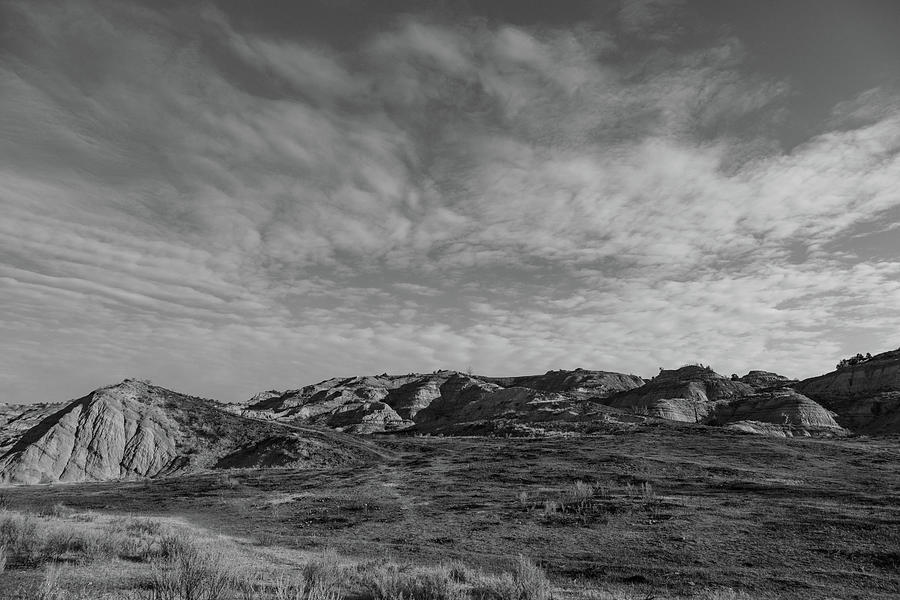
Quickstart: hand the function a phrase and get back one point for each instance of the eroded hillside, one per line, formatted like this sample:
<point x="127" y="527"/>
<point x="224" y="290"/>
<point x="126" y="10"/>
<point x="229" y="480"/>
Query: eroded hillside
<point x="135" y="430"/>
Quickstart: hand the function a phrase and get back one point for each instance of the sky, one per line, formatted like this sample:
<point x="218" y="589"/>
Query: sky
<point x="226" y="197"/>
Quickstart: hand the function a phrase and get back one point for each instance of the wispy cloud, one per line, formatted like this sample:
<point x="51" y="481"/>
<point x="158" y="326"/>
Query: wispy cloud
<point x="226" y="210"/>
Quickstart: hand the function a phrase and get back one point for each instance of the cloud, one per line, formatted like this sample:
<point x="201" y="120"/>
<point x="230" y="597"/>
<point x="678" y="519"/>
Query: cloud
<point x="226" y="210"/>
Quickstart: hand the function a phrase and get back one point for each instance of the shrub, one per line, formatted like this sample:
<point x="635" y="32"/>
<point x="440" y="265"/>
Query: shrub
<point x="581" y="494"/>
<point x="57" y="511"/>
<point x="724" y="594"/>
<point x="20" y="534"/>
<point x="459" y="571"/>
<point x="531" y="581"/>
<point x="647" y="493"/>
<point x="523" y="499"/>
<point x="50" y="588"/>
<point x="390" y="582"/>
<point x="190" y="574"/>
<point x="58" y="543"/>
<point x="323" y="575"/>
<point x="495" y="587"/>
<point x="299" y="588"/>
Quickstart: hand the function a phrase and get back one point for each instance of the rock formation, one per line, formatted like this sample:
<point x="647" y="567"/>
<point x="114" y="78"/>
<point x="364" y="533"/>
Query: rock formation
<point x="436" y="401"/>
<point x="760" y="402"/>
<point x="765" y="380"/>
<point x="17" y="419"/>
<point x="598" y="384"/>
<point x="792" y="413"/>
<point x="133" y="430"/>
<point x="687" y="394"/>
<point x="864" y="396"/>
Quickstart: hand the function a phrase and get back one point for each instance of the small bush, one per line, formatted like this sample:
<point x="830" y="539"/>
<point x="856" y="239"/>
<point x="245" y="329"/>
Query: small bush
<point x="531" y="580"/>
<point x="527" y="582"/>
<point x="459" y="571"/>
<point x="20" y="534"/>
<point x="299" y="588"/>
<point x="58" y="543"/>
<point x="390" y="582"/>
<point x="190" y="574"/>
<point x="724" y="594"/>
<point x="524" y="500"/>
<point x="324" y="574"/>
<point x="50" y="587"/>
<point x="495" y="587"/>
<point x="648" y="495"/>
<point x="57" y="511"/>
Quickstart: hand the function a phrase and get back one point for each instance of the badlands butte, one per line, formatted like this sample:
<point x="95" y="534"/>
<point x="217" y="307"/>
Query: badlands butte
<point x="135" y="430"/>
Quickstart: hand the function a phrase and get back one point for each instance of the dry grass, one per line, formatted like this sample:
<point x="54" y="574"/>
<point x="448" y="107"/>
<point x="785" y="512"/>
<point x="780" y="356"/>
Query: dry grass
<point x="190" y="573"/>
<point x="165" y="562"/>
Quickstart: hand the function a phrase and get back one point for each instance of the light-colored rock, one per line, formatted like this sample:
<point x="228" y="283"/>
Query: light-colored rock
<point x="432" y="399"/>
<point x="765" y="379"/>
<point x="687" y="394"/>
<point x="599" y="384"/>
<point x="109" y="434"/>
<point x="865" y="397"/>
<point x="783" y="407"/>
<point x="134" y="430"/>
<point x="16" y="419"/>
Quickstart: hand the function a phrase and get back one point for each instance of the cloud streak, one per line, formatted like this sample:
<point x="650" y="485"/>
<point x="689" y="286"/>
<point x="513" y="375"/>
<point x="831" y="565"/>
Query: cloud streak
<point x="227" y="210"/>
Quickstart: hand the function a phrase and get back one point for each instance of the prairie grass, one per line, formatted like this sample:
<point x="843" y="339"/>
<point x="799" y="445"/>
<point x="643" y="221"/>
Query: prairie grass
<point x="190" y="573"/>
<point x="176" y="563"/>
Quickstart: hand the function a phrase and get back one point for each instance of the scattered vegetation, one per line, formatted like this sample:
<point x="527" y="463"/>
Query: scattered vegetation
<point x="180" y="566"/>
<point x="853" y="360"/>
<point x="584" y="500"/>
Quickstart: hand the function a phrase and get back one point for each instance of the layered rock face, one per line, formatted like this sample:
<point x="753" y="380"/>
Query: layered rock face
<point x="598" y="384"/>
<point x="687" y="394"/>
<point x="353" y="404"/>
<point x="791" y="412"/>
<point x="865" y="396"/>
<point x="109" y="434"/>
<point x="759" y="402"/>
<point x="766" y="379"/>
<point x="437" y="400"/>
<point x="16" y="419"/>
<point x="135" y="430"/>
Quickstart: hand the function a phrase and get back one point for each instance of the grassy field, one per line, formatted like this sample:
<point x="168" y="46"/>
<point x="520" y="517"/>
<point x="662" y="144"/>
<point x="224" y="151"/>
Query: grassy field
<point x="660" y="512"/>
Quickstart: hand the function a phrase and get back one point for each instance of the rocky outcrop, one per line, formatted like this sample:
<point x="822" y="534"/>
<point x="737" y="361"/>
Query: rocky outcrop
<point x="865" y="396"/>
<point x="688" y="394"/>
<point x="765" y="379"/>
<point x="366" y="417"/>
<point x="335" y="401"/>
<point x="881" y="373"/>
<point x="16" y="419"/>
<point x="782" y="407"/>
<point x="599" y="384"/>
<point x="134" y="430"/>
<point x="392" y="402"/>
<point x="109" y="434"/>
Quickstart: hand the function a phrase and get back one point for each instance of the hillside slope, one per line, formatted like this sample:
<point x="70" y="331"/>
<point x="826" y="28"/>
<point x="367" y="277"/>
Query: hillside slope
<point x="16" y="419"/>
<point x="437" y="400"/>
<point x="759" y="402"/>
<point x="133" y="430"/>
<point x="864" y="396"/>
<point x="688" y="394"/>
